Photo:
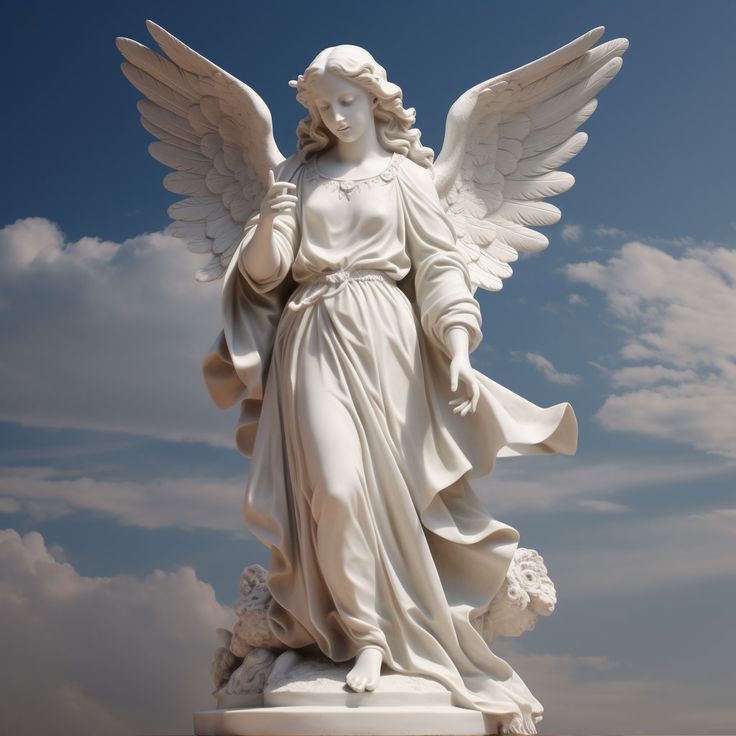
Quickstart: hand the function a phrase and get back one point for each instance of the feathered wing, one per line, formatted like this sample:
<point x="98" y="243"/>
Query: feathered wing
<point x="214" y="131"/>
<point x="505" y="140"/>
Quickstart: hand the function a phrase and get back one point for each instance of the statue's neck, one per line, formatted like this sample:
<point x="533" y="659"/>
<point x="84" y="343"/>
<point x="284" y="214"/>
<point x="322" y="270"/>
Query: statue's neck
<point x="355" y="152"/>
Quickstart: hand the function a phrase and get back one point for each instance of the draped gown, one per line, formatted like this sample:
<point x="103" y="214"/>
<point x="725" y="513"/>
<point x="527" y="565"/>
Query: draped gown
<point x="359" y="474"/>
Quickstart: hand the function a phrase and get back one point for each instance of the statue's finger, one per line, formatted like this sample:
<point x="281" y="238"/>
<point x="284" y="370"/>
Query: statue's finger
<point x="285" y="198"/>
<point x="453" y="376"/>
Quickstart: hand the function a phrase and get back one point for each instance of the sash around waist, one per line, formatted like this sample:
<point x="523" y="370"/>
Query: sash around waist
<point x="331" y="284"/>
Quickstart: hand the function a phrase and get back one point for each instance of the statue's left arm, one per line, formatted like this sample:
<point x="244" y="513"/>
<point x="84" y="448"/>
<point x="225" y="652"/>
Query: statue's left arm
<point x="443" y="290"/>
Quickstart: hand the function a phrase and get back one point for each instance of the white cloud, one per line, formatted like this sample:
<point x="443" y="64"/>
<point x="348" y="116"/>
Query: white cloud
<point x="646" y="554"/>
<point x="572" y="233"/>
<point x="723" y="518"/>
<point x="592" y="694"/>
<point x="604" y="231"/>
<point x="650" y="375"/>
<point x="123" y="655"/>
<point x="617" y="552"/>
<point x="576" y="299"/>
<point x="10" y="506"/>
<point x="615" y="233"/>
<point x="567" y="484"/>
<point x="537" y="484"/>
<point x="601" y="506"/>
<point x="681" y="337"/>
<point x="545" y="367"/>
<point x="100" y="335"/>
<point x="94" y="656"/>
<point x="187" y="503"/>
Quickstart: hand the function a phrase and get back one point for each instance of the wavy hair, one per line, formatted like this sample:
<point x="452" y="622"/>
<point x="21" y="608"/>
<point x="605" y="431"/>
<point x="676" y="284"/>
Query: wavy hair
<point x="393" y="122"/>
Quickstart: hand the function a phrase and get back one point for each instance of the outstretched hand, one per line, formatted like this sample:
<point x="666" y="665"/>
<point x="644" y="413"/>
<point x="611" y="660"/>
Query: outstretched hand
<point x="462" y="375"/>
<point x="462" y="378"/>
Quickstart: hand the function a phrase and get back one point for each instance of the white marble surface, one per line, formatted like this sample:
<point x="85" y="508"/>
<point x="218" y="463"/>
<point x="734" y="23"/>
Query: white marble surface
<point x="366" y="720"/>
<point x="349" y="317"/>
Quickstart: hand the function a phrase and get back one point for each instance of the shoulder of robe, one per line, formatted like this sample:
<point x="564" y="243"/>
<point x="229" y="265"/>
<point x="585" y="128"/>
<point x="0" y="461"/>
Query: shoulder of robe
<point x="286" y="170"/>
<point x="418" y="175"/>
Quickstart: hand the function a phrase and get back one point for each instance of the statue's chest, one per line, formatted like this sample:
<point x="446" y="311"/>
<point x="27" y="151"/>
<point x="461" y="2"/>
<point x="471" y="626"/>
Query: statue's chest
<point x="343" y="207"/>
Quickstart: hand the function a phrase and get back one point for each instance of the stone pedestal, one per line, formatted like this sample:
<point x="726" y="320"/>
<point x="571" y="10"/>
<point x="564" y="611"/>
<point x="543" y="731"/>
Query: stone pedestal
<point x="359" y="720"/>
<point x="308" y="697"/>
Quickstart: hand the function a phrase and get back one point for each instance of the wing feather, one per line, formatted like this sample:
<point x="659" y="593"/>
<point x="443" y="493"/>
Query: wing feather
<point x="179" y="159"/>
<point x="218" y="182"/>
<point x="535" y="214"/>
<point x="188" y="230"/>
<point x="505" y="141"/>
<point x="156" y="91"/>
<point x="173" y="124"/>
<point x="216" y="227"/>
<point x="226" y="237"/>
<point x="195" y="209"/>
<point x="556" y="108"/>
<point x="543" y="139"/>
<point x="551" y="160"/>
<point x="214" y="131"/>
<point x="189" y="185"/>
<point x="160" y="69"/>
<point x="575" y="71"/>
<point x="166" y="137"/>
<point x="539" y="187"/>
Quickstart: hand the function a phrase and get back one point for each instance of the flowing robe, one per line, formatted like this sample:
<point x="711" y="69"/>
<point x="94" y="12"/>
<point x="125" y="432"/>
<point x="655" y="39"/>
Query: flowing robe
<point x="359" y="479"/>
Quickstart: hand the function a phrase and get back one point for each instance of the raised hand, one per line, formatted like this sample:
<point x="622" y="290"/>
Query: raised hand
<point x="277" y="199"/>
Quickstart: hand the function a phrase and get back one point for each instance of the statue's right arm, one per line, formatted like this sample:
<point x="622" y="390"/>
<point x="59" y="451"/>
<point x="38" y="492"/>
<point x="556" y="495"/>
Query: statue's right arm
<point x="263" y="259"/>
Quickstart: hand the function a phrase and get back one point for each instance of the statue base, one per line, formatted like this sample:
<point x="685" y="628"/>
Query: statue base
<point x="362" y="720"/>
<point x="308" y="697"/>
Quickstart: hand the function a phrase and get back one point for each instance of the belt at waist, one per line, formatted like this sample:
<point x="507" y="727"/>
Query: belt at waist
<point x="331" y="284"/>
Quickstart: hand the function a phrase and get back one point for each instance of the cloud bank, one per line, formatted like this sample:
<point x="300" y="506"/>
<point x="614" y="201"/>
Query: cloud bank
<point x="679" y="378"/>
<point x="89" y="656"/>
<point x="101" y="335"/>
<point x="594" y="694"/>
<point x="123" y="655"/>
<point x="185" y="503"/>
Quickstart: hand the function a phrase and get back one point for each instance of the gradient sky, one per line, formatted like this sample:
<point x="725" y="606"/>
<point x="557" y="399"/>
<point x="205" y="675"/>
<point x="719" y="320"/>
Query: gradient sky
<point x="119" y="489"/>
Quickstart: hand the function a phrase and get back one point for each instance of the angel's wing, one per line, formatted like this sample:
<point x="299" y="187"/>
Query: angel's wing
<point x="505" y="140"/>
<point x="216" y="133"/>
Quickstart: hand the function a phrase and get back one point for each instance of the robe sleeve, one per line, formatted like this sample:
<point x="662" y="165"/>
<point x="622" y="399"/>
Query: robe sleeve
<point x="444" y="294"/>
<point x="284" y="241"/>
<point x="236" y="368"/>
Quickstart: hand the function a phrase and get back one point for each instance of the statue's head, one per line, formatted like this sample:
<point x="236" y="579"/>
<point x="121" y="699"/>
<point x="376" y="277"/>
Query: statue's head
<point x="352" y="74"/>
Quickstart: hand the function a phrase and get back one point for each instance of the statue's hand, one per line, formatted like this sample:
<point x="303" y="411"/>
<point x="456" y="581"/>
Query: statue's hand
<point x="462" y="375"/>
<point x="277" y="199"/>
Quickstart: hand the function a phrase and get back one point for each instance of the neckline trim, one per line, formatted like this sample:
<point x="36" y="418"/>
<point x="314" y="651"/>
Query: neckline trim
<point x="391" y="162"/>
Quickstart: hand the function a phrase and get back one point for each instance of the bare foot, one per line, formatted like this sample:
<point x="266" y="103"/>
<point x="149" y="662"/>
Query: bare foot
<point x="367" y="670"/>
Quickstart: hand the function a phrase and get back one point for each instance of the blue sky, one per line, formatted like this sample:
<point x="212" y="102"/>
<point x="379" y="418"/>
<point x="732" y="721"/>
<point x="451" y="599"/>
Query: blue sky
<point x="111" y="451"/>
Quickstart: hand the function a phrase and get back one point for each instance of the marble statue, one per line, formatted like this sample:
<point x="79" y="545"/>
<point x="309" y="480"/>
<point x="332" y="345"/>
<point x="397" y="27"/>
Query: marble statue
<point x="349" y="315"/>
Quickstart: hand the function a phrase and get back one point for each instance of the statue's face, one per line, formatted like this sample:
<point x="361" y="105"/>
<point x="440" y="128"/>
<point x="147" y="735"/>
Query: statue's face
<point x="345" y="108"/>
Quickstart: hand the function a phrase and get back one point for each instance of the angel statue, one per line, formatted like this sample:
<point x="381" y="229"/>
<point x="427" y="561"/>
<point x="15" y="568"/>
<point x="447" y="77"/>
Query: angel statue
<point x="350" y="269"/>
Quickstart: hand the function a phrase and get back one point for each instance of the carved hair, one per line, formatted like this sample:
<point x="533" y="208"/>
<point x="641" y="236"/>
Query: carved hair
<point x="393" y="122"/>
